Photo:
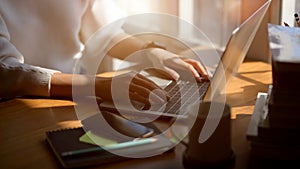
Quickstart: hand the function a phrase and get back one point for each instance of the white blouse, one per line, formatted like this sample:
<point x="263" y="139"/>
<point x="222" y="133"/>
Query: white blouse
<point x="39" y="37"/>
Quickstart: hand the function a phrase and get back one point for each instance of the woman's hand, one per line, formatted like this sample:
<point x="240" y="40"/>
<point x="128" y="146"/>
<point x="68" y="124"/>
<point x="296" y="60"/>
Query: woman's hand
<point x="132" y="85"/>
<point x="136" y="86"/>
<point x="172" y="64"/>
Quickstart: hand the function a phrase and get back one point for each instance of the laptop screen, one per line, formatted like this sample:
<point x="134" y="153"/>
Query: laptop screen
<point x="235" y="52"/>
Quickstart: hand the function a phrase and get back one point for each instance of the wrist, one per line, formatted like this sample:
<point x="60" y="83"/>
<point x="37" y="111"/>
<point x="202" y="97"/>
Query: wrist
<point x="153" y="44"/>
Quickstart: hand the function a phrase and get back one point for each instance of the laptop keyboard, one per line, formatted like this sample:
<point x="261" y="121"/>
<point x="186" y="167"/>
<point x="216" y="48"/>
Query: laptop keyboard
<point x="182" y="94"/>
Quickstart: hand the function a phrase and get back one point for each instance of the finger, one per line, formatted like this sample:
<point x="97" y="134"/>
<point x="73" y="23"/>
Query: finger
<point x="156" y="95"/>
<point x="199" y="67"/>
<point x="194" y="72"/>
<point x="137" y="97"/>
<point x="174" y="75"/>
<point x="147" y="102"/>
<point x="188" y="67"/>
<point x="179" y="64"/>
<point x="147" y="83"/>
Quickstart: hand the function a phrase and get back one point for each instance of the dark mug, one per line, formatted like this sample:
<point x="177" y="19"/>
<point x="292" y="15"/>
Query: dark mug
<point x="215" y="151"/>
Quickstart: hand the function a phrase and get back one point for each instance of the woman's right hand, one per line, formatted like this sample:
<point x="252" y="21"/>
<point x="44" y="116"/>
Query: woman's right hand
<point x="130" y="85"/>
<point x="136" y="86"/>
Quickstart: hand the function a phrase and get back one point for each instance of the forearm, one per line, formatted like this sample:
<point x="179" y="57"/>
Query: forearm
<point x="61" y="84"/>
<point x="124" y="45"/>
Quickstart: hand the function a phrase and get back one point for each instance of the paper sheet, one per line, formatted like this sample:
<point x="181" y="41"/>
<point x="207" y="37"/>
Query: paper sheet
<point x="91" y="138"/>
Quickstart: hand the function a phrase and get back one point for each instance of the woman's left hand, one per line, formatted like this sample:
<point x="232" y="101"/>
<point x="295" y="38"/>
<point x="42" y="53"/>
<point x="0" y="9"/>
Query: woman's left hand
<point x="172" y="64"/>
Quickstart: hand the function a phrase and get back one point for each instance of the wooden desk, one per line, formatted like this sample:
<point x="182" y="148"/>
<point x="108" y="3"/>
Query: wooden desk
<point x="23" y="123"/>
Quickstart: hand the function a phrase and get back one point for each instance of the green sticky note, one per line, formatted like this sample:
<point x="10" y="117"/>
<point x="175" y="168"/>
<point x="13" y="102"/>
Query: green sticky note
<point x="91" y="138"/>
<point x="173" y="140"/>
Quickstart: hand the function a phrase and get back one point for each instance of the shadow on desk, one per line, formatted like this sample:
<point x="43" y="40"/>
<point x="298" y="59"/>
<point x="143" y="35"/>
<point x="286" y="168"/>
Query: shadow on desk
<point x="23" y="123"/>
<point x="235" y="98"/>
<point x="272" y="164"/>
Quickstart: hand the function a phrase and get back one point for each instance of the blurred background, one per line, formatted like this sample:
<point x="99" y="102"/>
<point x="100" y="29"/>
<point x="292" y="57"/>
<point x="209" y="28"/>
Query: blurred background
<point x="216" y="18"/>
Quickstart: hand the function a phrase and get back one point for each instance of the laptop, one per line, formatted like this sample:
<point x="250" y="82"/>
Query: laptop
<point x="184" y="93"/>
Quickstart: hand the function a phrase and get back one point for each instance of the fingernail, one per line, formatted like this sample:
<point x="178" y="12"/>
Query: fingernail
<point x="162" y="95"/>
<point x="176" y="77"/>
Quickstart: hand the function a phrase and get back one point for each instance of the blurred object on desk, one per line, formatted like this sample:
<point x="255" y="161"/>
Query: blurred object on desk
<point x="276" y="119"/>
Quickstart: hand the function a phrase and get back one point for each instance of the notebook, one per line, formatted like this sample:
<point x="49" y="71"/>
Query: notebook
<point x="71" y="151"/>
<point x="65" y="140"/>
<point x="234" y="54"/>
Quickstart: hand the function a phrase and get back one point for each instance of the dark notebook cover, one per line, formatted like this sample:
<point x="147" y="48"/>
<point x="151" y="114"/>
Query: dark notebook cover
<point x="68" y="140"/>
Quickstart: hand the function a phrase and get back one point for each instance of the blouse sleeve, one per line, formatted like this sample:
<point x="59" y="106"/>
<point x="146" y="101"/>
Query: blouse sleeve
<point x="100" y="13"/>
<point x="17" y="78"/>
